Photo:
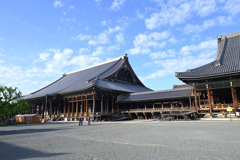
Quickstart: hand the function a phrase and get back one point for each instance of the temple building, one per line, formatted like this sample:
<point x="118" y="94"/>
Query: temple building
<point x="216" y="85"/>
<point x="175" y="103"/>
<point x="109" y="90"/>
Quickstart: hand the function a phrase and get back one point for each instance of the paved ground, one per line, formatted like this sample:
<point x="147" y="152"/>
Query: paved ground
<point x="122" y="140"/>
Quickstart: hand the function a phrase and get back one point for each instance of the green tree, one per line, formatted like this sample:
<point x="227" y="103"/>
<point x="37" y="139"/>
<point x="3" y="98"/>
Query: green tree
<point x="11" y="102"/>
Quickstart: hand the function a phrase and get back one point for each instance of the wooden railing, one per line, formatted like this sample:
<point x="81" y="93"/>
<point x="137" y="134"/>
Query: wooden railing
<point x="157" y="109"/>
<point x="216" y="106"/>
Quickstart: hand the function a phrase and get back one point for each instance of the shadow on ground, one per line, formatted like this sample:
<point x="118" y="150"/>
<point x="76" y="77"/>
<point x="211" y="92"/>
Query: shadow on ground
<point x="9" y="151"/>
<point x="24" y="131"/>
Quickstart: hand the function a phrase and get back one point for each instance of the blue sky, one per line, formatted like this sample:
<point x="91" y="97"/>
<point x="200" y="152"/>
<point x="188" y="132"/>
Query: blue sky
<point x="42" y="39"/>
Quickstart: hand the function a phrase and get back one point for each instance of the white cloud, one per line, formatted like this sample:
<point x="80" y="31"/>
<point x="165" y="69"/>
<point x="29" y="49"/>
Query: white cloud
<point x="113" y="48"/>
<point x="140" y="15"/>
<point x="104" y="23"/>
<point x="58" y="4"/>
<point x="170" y="15"/>
<point x="134" y="51"/>
<point x="143" y="43"/>
<point x="72" y="7"/>
<point x="44" y="56"/>
<point x="205" y="7"/>
<point x="157" y="55"/>
<point x="232" y="7"/>
<point x="178" y="12"/>
<point x="59" y="60"/>
<point x="172" y="40"/>
<point x="116" y="4"/>
<point x="221" y="20"/>
<point x="163" y="54"/>
<point x="115" y="29"/>
<point x="206" y="45"/>
<point x="67" y="20"/>
<point x="83" y="50"/>
<point x="99" y="51"/>
<point x="170" y="66"/>
<point x="83" y="37"/>
<point x="82" y="61"/>
<point x="102" y="38"/>
<point x="172" y="61"/>
<point x="119" y="38"/>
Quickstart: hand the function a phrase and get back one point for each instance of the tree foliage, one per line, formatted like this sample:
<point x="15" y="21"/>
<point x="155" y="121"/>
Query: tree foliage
<point x="11" y="102"/>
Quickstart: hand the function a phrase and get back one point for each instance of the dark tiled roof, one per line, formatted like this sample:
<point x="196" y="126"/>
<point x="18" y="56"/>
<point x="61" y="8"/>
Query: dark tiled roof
<point x="86" y="78"/>
<point x="227" y="59"/>
<point x="182" y="85"/>
<point x="158" y="95"/>
<point x="121" y="86"/>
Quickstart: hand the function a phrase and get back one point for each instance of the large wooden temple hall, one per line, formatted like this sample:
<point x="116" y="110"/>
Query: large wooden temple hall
<point x="112" y="90"/>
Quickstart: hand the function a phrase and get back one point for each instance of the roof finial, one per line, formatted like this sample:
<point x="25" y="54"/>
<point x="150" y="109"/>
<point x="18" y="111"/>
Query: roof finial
<point x="125" y="56"/>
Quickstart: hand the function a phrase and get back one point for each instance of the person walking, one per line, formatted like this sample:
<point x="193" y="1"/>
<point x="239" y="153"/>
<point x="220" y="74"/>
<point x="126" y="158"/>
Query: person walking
<point x="89" y="120"/>
<point x="80" y="121"/>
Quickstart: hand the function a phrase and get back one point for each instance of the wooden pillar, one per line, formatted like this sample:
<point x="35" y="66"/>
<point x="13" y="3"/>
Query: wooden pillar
<point x="181" y="104"/>
<point x="43" y="108"/>
<point x="77" y="109"/>
<point x="33" y="110"/>
<point x="55" y="110"/>
<point x="81" y="106"/>
<point x="50" y="110"/>
<point x="117" y="107"/>
<point x="153" y="107"/>
<point x="72" y="108"/>
<point x="196" y="104"/>
<point x="199" y="99"/>
<point x="204" y="99"/>
<point x="64" y="108"/>
<point x="102" y="104"/>
<point x="171" y="105"/>
<point x="162" y="105"/>
<point x="86" y="107"/>
<point x="94" y="105"/>
<point x="112" y="104"/>
<point x="209" y="102"/>
<point x="107" y="105"/>
<point x="68" y="109"/>
<point x="39" y="109"/>
<point x="234" y="99"/>
<point x="212" y="100"/>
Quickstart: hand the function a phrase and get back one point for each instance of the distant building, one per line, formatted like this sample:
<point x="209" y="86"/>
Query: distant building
<point x="216" y="85"/>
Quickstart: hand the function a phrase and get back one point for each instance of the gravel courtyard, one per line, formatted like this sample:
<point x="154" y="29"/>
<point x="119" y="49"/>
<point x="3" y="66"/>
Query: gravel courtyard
<point x="122" y="140"/>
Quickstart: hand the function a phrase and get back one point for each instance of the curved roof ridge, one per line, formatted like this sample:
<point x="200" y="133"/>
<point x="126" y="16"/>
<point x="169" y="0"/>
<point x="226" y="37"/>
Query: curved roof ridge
<point x="99" y="64"/>
<point x="231" y="35"/>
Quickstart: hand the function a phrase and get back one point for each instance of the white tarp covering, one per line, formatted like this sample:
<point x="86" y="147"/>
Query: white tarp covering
<point x="27" y="115"/>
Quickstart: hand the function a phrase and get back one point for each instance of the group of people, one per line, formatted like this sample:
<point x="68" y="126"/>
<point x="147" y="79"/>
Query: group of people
<point x="81" y="120"/>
